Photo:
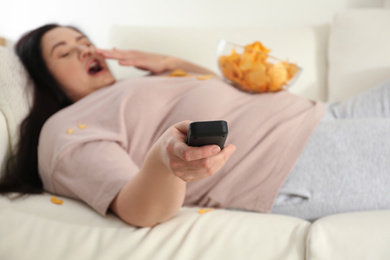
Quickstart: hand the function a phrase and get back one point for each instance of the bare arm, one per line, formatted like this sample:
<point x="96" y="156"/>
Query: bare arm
<point x="152" y="196"/>
<point x="155" y="63"/>
<point x="157" y="192"/>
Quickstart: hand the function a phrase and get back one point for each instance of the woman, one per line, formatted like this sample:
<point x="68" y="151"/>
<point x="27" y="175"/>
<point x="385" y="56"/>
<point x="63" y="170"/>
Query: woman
<point x="119" y="144"/>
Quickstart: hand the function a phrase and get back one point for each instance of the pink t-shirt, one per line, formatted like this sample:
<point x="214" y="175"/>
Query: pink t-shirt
<point x="90" y="149"/>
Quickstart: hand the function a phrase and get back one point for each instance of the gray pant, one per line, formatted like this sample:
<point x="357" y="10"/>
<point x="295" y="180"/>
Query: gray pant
<point x="345" y="166"/>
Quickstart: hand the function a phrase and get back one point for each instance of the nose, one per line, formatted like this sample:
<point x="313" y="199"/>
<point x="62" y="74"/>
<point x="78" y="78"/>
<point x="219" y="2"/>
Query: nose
<point x="85" y="51"/>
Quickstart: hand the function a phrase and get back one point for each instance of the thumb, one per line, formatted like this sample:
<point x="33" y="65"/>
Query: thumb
<point x="183" y="126"/>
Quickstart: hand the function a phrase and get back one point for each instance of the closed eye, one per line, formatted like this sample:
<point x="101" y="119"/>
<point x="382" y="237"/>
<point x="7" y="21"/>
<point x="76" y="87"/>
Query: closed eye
<point x="64" y="55"/>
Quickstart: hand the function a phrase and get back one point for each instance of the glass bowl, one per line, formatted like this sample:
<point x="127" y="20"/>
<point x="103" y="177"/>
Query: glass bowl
<point x="250" y="68"/>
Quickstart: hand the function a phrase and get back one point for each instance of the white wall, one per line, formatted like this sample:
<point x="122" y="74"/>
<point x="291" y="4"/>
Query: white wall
<point x="96" y="17"/>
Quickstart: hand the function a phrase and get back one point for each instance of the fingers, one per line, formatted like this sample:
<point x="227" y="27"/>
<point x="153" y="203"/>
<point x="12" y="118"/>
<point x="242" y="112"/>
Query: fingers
<point x="180" y="149"/>
<point x="155" y="63"/>
<point x="187" y="153"/>
<point x="138" y="59"/>
<point x="192" y="170"/>
<point x="112" y="54"/>
<point x="215" y="161"/>
<point x="109" y="54"/>
<point x="183" y="126"/>
<point x="124" y="57"/>
<point x="192" y="163"/>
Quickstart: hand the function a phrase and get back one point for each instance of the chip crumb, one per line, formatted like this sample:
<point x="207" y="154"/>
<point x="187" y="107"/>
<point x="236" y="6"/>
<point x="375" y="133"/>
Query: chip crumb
<point x="204" y="77"/>
<point x="202" y="211"/>
<point x="82" y="126"/>
<point x="69" y="131"/>
<point x="56" y="201"/>
<point x="178" y="73"/>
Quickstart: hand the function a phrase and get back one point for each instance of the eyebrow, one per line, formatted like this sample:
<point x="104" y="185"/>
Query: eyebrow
<point x="64" y="43"/>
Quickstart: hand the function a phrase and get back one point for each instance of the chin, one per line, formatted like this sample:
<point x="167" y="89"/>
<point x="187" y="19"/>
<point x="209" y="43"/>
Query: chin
<point x="110" y="82"/>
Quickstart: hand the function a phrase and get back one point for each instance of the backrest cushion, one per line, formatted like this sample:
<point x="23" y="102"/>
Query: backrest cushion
<point x="359" y="51"/>
<point x="306" y="46"/>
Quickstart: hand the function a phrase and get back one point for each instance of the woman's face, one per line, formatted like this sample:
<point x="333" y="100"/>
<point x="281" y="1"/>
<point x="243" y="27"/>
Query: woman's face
<point x="72" y="60"/>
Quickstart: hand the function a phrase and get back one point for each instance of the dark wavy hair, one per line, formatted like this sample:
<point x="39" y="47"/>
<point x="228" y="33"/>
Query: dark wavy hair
<point x="21" y="174"/>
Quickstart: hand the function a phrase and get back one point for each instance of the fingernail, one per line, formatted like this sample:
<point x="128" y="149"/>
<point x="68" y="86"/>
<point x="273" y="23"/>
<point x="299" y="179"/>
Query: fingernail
<point x="216" y="149"/>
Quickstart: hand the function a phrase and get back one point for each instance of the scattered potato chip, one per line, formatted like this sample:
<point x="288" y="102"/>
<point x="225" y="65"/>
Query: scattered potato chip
<point x="202" y="211"/>
<point x="82" y="126"/>
<point x="182" y="73"/>
<point x="178" y="73"/>
<point x="204" y="77"/>
<point x="56" y="201"/>
<point x="69" y="131"/>
<point x="253" y="71"/>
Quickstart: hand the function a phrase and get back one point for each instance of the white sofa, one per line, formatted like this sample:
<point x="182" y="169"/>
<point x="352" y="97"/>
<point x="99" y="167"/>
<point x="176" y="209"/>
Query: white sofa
<point x="338" y="59"/>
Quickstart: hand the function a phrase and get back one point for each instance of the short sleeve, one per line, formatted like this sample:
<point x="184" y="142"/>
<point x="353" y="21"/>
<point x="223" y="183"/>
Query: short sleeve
<point x="93" y="172"/>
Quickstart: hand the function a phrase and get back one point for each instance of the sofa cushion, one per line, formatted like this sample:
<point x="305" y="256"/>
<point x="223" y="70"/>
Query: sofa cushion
<point x="15" y="95"/>
<point x="357" y="236"/>
<point x="75" y="231"/>
<point x="359" y="56"/>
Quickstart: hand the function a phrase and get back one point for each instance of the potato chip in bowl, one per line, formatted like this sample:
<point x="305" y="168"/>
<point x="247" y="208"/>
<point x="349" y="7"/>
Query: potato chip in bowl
<point x="252" y="69"/>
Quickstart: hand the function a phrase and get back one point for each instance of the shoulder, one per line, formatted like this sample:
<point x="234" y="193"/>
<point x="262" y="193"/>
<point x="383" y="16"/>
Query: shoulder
<point x="89" y="105"/>
<point x="94" y="117"/>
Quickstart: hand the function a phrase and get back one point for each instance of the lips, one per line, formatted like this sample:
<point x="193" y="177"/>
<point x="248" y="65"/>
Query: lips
<point x="94" y="66"/>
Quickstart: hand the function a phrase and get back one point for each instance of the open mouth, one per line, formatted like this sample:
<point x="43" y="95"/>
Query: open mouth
<point x="94" y="67"/>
